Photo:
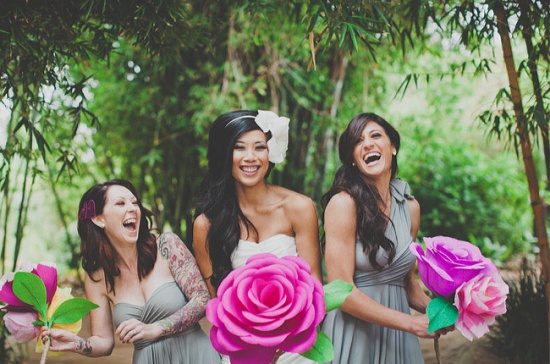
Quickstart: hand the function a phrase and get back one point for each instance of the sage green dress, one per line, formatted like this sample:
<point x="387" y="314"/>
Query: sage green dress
<point x="187" y="347"/>
<point x="360" y="342"/>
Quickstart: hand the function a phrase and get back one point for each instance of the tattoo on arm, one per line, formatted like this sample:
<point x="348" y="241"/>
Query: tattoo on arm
<point x="188" y="277"/>
<point x="84" y="346"/>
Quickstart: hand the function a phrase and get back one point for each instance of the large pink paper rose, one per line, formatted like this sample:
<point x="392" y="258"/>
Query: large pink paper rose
<point x="478" y="302"/>
<point x="20" y="326"/>
<point x="448" y="263"/>
<point x="268" y="304"/>
<point x="46" y="272"/>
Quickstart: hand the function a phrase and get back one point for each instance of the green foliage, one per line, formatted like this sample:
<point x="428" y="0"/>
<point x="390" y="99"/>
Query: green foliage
<point x="521" y="334"/>
<point x="465" y="194"/>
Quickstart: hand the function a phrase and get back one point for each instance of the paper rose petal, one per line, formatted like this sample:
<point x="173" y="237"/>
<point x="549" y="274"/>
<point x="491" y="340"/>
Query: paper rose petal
<point x="47" y="272"/>
<point x="478" y="302"/>
<point x="20" y="325"/>
<point x="269" y="303"/>
<point x="448" y="263"/>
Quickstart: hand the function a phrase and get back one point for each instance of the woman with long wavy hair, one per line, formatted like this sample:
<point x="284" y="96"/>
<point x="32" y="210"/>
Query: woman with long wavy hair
<point x="240" y="214"/>
<point x="152" y="282"/>
<point x="370" y="218"/>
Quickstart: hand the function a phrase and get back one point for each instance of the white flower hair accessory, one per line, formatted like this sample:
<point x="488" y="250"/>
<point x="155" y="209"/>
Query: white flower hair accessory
<point x="278" y="126"/>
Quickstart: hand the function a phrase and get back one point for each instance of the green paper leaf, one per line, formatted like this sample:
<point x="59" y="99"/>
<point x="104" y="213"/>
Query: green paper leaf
<point x="335" y="293"/>
<point x="322" y="351"/>
<point x="72" y="310"/>
<point x="441" y="313"/>
<point x="30" y="289"/>
<point x="38" y="323"/>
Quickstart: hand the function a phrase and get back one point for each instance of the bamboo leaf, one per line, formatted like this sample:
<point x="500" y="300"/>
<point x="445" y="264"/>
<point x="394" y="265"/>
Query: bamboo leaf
<point x="72" y="310"/>
<point x="335" y="293"/>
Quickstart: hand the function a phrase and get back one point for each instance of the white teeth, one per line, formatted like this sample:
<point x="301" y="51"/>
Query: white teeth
<point x="130" y="221"/>
<point x="249" y="168"/>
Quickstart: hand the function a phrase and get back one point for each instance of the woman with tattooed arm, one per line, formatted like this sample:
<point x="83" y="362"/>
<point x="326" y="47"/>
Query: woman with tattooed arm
<point x="152" y="283"/>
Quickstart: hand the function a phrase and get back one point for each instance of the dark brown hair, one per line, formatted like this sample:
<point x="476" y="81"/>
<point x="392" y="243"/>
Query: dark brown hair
<point x="371" y="221"/>
<point x="95" y="248"/>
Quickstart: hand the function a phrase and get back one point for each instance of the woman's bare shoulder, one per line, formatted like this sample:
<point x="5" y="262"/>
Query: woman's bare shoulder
<point x="341" y="200"/>
<point x="294" y="201"/>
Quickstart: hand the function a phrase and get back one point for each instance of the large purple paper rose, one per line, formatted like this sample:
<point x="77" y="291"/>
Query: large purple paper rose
<point x="448" y="263"/>
<point x="269" y="304"/>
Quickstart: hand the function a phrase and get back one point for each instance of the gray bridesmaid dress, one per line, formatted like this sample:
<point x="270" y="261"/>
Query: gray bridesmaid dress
<point x="359" y="342"/>
<point x="187" y="347"/>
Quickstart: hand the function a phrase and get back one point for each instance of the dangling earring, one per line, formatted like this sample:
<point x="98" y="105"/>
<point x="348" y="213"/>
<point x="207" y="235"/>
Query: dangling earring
<point x="353" y="164"/>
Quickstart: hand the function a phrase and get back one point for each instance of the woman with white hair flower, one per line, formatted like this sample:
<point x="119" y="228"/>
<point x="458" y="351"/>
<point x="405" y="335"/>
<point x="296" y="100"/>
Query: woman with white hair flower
<point x="240" y="214"/>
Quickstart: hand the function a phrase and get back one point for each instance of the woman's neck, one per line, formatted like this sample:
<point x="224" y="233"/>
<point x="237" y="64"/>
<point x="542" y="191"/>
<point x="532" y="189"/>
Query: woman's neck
<point x="127" y="257"/>
<point x="252" y="196"/>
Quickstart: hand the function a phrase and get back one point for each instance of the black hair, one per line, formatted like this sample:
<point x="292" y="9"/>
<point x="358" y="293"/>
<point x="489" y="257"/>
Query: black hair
<point x="218" y="201"/>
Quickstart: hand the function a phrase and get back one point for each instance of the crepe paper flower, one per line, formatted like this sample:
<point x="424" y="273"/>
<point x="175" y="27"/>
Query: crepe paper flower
<point x="478" y="302"/>
<point x="20" y="325"/>
<point x="47" y="272"/>
<point x="61" y="295"/>
<point x="268" y="121"/>
<point x="31" y="291"/>
<point x="469" y="289"/>
<point x="448" y="263"/>
<point x="272" y="304"/>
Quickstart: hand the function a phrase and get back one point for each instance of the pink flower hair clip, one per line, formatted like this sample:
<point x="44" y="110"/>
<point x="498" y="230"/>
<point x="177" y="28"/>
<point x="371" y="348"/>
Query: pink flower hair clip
<point x="87" y="211"/>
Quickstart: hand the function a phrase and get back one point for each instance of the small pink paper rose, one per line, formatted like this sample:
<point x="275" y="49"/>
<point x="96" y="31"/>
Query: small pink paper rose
<point x="20" y="325"/>
<point x="269" y="304"/>
<point x="448" y="262"/>
<point x="478" y="302"/>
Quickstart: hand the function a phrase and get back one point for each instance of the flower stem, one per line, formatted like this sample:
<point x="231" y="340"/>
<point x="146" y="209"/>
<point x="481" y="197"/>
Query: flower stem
<point x="436" y="347"/>
<point x="45" y="351"/>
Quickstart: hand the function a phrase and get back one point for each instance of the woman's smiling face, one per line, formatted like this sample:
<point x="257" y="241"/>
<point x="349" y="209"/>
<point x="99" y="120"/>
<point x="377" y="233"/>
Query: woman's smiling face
<point x="121" y="216"/>
<point x="374" y="152"/>
<point x="250" y="158"/>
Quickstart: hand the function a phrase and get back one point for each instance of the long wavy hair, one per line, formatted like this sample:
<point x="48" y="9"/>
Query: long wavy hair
<point x="218" y="201"/>
<point x="371" y="221"/>
<point x="98" y="252"/>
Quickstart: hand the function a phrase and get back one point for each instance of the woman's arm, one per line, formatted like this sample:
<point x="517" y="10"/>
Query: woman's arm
<point x="188" y="277"/>
<point x="101" y="342"/>
<point x="306" y="232"/>
<point x="200" y="232"/>
<point x="340" y="232"/>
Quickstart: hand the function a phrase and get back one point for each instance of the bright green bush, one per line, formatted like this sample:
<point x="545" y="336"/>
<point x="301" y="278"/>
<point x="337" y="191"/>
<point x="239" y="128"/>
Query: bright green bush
<point x="465" y="194"/>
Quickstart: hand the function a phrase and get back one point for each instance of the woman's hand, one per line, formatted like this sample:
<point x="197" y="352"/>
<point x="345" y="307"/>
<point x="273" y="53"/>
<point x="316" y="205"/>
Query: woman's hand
<point x="419" y="327"/>
<point x="61" y="340"/>
<point x="133" y="330"/>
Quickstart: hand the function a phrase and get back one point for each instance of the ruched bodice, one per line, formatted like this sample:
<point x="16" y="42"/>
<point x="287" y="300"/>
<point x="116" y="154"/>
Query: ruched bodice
<point x="281" y="245"/>
<point x="359" y="342"/>
<point x="190" y="346"/>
